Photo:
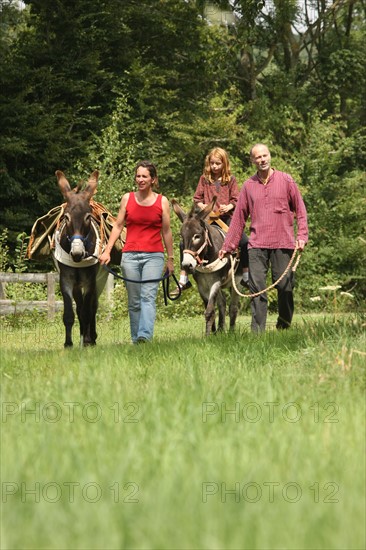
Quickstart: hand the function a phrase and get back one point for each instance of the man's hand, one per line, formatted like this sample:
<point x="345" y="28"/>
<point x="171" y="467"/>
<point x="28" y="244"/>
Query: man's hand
<point x="300" y="244"/>
<point x="222" y="254"/>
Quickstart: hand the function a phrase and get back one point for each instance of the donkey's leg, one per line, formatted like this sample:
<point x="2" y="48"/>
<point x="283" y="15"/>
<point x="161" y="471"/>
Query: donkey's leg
<point x="209" y="316"/>
<point x="90" y="305"/>
<point x="210" y="309"/>
<point x="234" y="308"/>
<point x="79" y="301"/>
<point x="210" y="319"/>
<point x="89" y="319"/>
<point x="93" y="321"/>
<point x="66" y="286"/>
<point x="68" y="319"/>
<point x="221" y="304"/>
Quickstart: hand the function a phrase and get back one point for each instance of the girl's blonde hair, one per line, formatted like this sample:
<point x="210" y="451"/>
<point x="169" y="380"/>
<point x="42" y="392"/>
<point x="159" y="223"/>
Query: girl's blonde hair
<point x="224" y="157"/>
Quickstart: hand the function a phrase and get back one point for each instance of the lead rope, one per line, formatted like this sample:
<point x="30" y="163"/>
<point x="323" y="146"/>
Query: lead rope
<point x="164" y="281"/>
<point x="255" y="294"/>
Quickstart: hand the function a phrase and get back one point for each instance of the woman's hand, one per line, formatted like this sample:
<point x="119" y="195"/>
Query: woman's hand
<point x="170" y="265"/>
<point x="105" y="257"/>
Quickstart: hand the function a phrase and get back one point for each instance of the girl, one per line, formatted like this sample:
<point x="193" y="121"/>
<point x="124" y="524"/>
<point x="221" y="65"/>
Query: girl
<point x="217" y="180"/>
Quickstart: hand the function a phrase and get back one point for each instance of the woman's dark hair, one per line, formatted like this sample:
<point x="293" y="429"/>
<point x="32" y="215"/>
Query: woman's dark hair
<point x="151" y="168"/>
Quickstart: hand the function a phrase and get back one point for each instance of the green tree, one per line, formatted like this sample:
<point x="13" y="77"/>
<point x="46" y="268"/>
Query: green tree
<point x="114" y="154"/>
<point x="334" y="193"/>
<point x="57" y="77"/>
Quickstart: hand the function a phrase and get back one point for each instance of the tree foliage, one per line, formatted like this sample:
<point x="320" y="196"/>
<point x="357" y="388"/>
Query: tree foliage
<point x="102" y="83"/>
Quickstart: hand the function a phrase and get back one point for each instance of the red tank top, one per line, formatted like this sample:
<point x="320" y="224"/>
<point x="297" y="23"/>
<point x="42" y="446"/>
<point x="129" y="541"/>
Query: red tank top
<point x="143" y="224"/>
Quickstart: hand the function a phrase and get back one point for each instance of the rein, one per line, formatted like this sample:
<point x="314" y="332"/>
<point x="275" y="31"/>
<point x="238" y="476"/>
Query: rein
<point x="255" y="294"/>
<point x="164" y="280"/>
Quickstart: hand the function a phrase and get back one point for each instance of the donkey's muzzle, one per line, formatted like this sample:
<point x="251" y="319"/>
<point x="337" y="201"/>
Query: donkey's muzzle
<point x="189" y="263"/>
<point x="77" y="250"/>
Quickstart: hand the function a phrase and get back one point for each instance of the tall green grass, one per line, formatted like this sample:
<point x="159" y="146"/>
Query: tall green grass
<point x="234" y="441"/>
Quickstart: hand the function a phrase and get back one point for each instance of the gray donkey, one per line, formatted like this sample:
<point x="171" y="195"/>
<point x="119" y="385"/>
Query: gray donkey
<point x="201" y="244"/>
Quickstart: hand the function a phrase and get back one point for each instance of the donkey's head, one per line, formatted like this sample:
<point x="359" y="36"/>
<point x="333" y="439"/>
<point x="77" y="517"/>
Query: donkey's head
<point x="195" y="235"/>
<point x="78" y="214"/>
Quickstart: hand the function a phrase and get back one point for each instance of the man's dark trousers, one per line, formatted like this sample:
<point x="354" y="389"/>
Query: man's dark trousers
<point x="259" y="261"/>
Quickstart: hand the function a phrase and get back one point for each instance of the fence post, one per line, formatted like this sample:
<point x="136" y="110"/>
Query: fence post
<point x="51" y="300"/>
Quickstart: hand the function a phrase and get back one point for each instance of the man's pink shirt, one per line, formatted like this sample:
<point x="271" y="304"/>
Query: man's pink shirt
<point x="272" y="209"/>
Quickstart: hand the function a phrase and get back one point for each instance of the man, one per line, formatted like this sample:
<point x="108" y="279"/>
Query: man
<point x="272" y="200"/>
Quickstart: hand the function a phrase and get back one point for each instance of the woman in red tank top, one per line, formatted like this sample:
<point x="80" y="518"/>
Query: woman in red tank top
<point x="146" y="215"/>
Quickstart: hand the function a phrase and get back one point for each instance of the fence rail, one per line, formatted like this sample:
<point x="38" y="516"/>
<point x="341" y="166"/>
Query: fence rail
<point x="51" y="305"/>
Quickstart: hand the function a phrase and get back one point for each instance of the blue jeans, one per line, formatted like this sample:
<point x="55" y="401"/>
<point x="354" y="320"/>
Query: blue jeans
<point x="140" y="266"/>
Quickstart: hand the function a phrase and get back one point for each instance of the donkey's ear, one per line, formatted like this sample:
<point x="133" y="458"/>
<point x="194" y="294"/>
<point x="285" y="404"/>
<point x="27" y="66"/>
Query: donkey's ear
<point x="91" y="188"/>
<point x="63" y="183"/>
<point x="178" y="210"/>
<point x="207" y="209"/>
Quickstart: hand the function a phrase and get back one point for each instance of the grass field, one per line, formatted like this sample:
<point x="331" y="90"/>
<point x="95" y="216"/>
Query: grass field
<point x="235" y="441"/>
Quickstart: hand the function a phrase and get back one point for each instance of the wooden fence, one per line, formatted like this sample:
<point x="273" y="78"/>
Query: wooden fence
<point x="51" y="305"/>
